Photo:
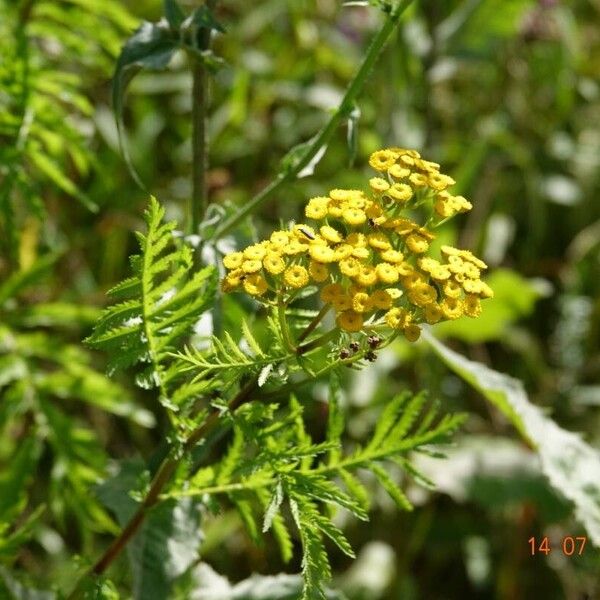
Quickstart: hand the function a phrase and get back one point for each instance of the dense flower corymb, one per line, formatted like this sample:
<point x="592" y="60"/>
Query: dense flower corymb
<point x="367" y="254"/>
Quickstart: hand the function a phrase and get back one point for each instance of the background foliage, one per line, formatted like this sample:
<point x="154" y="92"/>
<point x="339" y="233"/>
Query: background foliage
<point x="503" y="93"/>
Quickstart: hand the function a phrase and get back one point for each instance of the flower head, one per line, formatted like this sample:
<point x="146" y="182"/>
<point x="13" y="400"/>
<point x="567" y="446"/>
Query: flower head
<point x="369" y="259"/>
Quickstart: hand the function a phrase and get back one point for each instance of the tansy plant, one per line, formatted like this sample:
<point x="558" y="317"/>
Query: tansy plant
<point x="237" y="434"/>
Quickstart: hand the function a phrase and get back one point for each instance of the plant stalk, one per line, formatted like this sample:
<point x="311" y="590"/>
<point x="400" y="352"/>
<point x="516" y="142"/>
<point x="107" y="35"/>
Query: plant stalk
<point x="200" y="101"/>
<point x="163" y="476"/>
<point x="326" y="133"/>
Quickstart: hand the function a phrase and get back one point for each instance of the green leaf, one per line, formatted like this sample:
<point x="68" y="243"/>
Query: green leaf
<point x="206" y="583"/>
<point x="15" y="478"/>
<point x="21" y="280"/>
<point x="396" y="494"/>
<point x="53" y="171"/>
<point x="10" y="544"/>
<point x="335" y="417"/>
<point x="571" y="465"/>
<point x="167" y="543"/>
<point x="173" y="13"/>
<point x="152" y="46"/>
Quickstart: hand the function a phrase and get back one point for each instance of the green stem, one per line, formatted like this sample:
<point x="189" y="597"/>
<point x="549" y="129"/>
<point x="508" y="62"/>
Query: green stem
<point x="323" y="137"/>
<point x="314" y="322"/>
<point x="285" y="332"/>
<point x="200" y="93"/>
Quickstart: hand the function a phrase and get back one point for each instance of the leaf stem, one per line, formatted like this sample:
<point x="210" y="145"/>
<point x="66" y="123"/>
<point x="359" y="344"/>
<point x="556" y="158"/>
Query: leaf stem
<point x="325" y="134"/>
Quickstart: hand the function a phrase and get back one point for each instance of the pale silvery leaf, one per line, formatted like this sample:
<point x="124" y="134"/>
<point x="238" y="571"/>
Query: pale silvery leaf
<point x="571" y="465"/>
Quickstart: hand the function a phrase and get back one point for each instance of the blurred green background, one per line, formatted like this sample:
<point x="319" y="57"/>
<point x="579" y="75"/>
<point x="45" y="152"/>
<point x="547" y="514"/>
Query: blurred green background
<point x="505" y="94"/>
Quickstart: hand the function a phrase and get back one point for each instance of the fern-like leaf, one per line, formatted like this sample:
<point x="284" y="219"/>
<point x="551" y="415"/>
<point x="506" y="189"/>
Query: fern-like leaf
<point x="159" y="305"/>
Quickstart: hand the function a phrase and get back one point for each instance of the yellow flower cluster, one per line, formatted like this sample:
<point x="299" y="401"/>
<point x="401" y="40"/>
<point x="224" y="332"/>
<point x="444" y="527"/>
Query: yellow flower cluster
<point x="367" y="257"/>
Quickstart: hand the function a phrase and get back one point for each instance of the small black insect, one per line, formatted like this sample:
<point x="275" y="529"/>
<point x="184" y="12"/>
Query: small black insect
<point x="308" y="234"/>
<point x="372" y="223"/>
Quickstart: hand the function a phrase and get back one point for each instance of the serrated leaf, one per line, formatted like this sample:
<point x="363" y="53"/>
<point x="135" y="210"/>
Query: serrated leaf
<point x="264" y="374"/>
<point x="273" y="507"/>
<point x="249" y="337"/>
<point x="395" y="493"/>
<point x="335" y="535"/>
<point x="571" y="465"/>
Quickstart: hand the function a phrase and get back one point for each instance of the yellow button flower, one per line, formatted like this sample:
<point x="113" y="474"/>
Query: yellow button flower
<point x="330" y="234"/>
<point x="254" y="252"/>
<point x="233" y="260"/>
<point x="412" y="332"/>
<point x="232" y="280"/>
<point x="397" y="318"/>
<point x="422" y="294"/>
<point x="367" y="276"/>
<point x="304" y="233"/>
<point x="342" y="302"/>
<point x="418" y="180"/>
<point x="374" y="212"/>
<point x="322" y="254"/>
<point x="350" y="321"/>
<point x="378" y="185"/>
<point x="386" y="273"/>
<point x="255" y="285"/>
<point x="394" y="293"/>
<point x="273" y="263"/>
<point x="441" y="273"/>
<point x="398" y="172"/>
<point x="317" y="208"/>
<point x="251" y="266"/>
<point x="392" y="256"/>
<point x="318" y="271"/>
<point x="330" y="292"/>
<point x="349" y="267"/>
<point x="452" y="289"/>
<point x="342" y="251"/>
<point x="382" y="160"/>
<point x="357" y="240"/>
<point x="381" y="299"/>
<point x="417" y="243"/>
<point x="439" y="182"/>
<point x="279" y="238"/>
<point x="361" y="253"/>
<point x="444" y="208"/>
<point x="400" y="192"/>
<point x="294" y="247"/>
<point x="432" y="313"/>
<point x="379" y="240"/>
<point x="451" y="308"/>
<point x="354" y="216"/>
<point x="472" y="305"/>
<point x="428" y="264"/>
<point x="296" y="276"/>
<point x="361" y="302"/>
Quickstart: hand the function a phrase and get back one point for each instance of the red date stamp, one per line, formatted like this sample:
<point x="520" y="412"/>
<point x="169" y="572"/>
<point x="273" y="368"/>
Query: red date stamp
<point x="570" y="545"/>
